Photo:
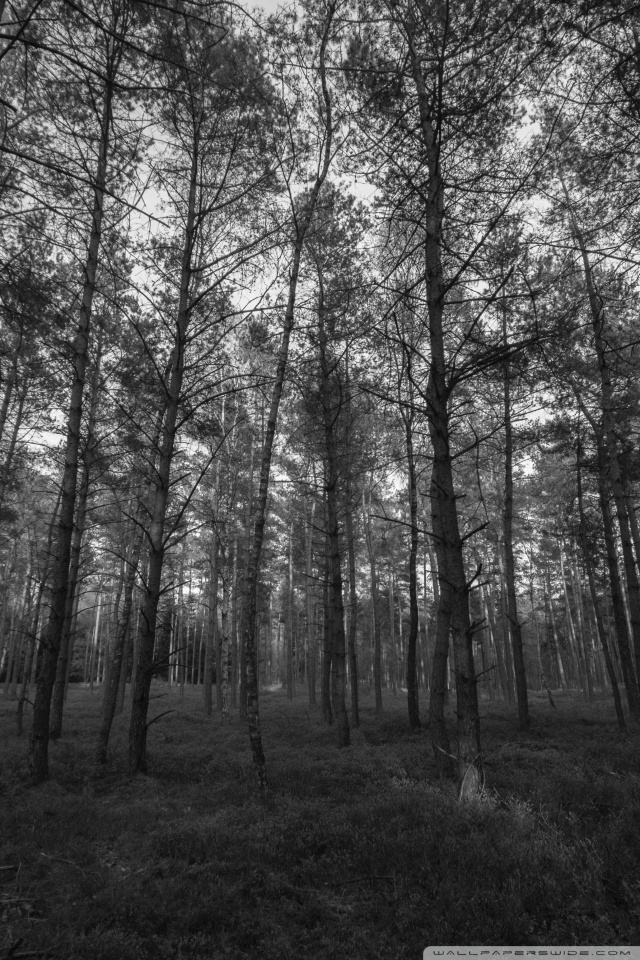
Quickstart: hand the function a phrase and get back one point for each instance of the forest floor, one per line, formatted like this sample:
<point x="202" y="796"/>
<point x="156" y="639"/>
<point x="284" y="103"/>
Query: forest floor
<point x="359" y="854"/>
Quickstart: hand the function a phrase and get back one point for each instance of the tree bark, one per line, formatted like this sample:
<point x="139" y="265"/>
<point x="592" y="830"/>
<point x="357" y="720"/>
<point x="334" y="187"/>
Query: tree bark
<point x="330" y="413"/>
<point x="412" y="678"/>
<point x="160" y="495"/>
<point x="606" y="440"/>
<point x="443" y="597"/>
<point x="312" y="653"/>
<point x="438" y="395"/>
<point x="112" y="687"/>
<point x="253" y="570"/>
<point x="375" y="604"/>
<point x="515" y="628"/>
<point x="89" y="457"/>
<point x="586" y="556"/>
<point x="39" y="741"/>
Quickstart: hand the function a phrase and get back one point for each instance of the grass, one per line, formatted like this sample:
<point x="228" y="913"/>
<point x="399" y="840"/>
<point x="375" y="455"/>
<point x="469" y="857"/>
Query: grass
<point x="359" y="853"/>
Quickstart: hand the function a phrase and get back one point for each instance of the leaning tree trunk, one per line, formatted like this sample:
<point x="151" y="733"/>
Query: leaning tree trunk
<point x="39" y="743"/>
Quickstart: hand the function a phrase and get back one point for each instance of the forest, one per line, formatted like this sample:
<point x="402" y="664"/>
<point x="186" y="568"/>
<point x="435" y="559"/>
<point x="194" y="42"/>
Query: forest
<point x="319" y="436"/>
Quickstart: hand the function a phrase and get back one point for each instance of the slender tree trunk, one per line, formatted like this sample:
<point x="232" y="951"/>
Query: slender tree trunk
<point x="312" y="654"/>
<point x="586" y="556"/>
<point x="608" y="462"/>
<point x="437" y="397"/>
<point x="39" y="742"/>
<point x="233" y="626"/>
<point x="554" y="630"/>
<point x="353" y="609"/>
<point x="89" y="457"/>
<point x="335" y="608"/>
<point x="288" y="623"/>
<point x="443" y="597"/>
<point x="502" y="668"/>
<point x="255" y="735"/>
<point x="515" y="628"/>
<point x="327" y="640"/>
<point x="122" y="627"/>
<point x="155" y="535"/>
<point x="247" y="554"/>
<point x="12" y="379"/>
<point x="425" y="615"/>
<point x="393" y="657"/>
<point x="571" y="630"/>
<point x="224" y="632"/>
<point x="375" y="606"/>
<point x="412" y="679"/>
<point x="211" y="647"/>
<point x="15" y="433"/>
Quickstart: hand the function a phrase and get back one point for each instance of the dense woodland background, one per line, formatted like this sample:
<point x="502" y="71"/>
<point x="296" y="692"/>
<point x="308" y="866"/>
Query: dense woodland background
<point x="319" y="361"/>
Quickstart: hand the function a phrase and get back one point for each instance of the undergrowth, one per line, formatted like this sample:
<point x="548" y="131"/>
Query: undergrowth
<point x="354" y="854"/>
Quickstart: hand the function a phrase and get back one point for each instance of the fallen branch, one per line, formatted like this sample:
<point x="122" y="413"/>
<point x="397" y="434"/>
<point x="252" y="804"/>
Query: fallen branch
<point x="158" y="717"/>
<point x="62" y="860"/>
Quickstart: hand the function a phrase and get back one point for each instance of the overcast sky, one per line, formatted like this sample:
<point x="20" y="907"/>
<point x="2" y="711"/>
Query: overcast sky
<point x="269" y="6"/>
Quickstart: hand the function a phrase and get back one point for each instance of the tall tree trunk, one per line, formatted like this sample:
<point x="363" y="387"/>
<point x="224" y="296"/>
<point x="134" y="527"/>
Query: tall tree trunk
<point x="13" y="442"/>
<point x="412" y="678"/>
<point x="312" y="653"/>
<point x="515" y="628"/>
<point x="375" y="605"/>
<point x="233" y="626"/>
<point x="122" y="627"/>
<point x="393" y="656"/>
<point x="253" y="570"/>
<point x="211" y="646"/>
<point x="443" y="596"/>
<point x="88" y="460"/>
<point x="327" y="640"/>
<point x="437" y="397"/>
<point x="586" y="556"/>
<point x="425" y="615"/>
<point x="571" y="630"/>
<point x="607" y="444"/>
<point x="247" y="554"/>
<point x="39" y="742"/>
<point x="288" y="623"/>
<point x="554" y="631"/>
<point x="499" y="651"/>
<point x="226" y="659"/>
<point x="330" y="412"/>
<point x="155" y="535"/>
<point x="353" y="608"/>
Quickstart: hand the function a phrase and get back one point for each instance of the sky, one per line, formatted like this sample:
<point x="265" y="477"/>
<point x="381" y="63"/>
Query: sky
<point x="269" y="6"/>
